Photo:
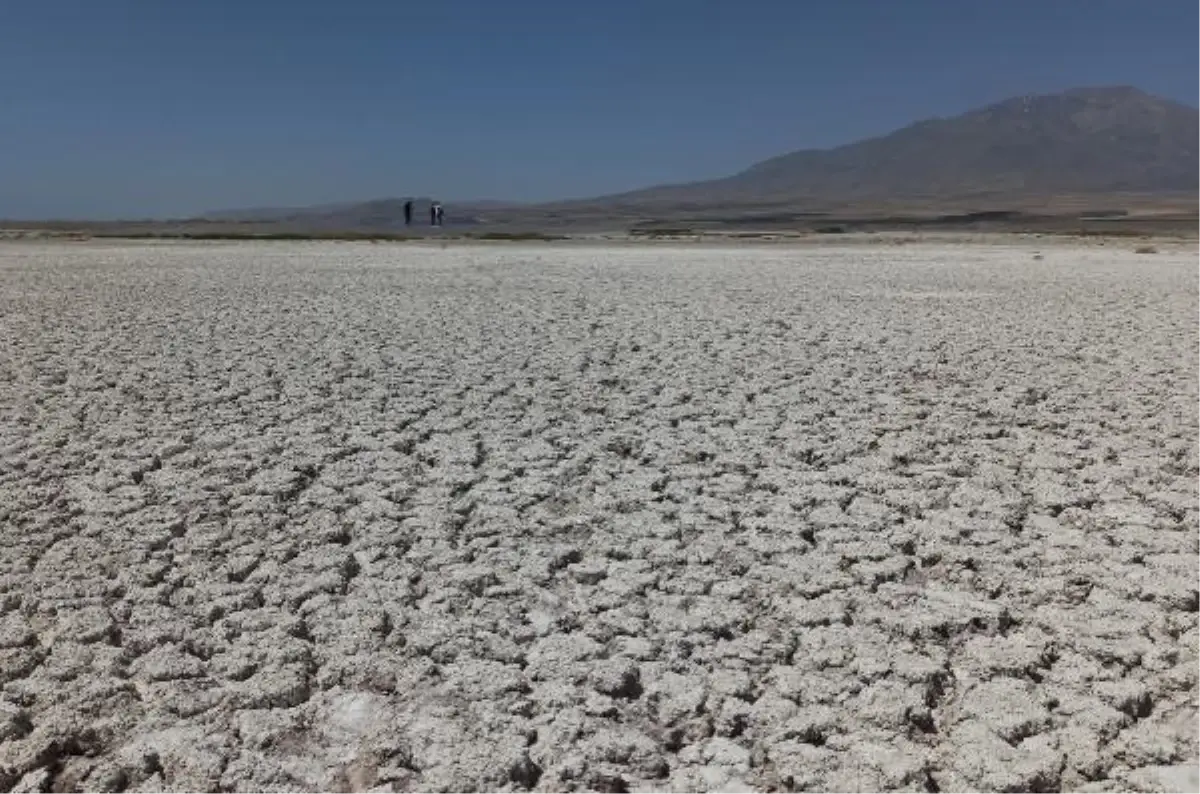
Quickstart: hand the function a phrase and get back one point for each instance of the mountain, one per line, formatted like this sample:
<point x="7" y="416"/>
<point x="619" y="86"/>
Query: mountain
<point x="1087" y="141"/>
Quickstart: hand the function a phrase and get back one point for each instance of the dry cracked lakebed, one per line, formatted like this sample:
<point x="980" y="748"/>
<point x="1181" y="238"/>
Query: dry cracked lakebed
<point x="344" y="516"/>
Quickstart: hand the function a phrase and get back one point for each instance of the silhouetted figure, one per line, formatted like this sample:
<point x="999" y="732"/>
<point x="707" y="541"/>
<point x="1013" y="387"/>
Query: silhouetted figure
<point x="441" y="214"/>
<point x="433" y="214"/>
<point x="408" y="207"/>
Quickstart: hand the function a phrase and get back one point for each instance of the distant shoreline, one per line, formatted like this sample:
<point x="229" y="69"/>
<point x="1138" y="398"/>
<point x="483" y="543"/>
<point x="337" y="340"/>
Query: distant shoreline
<point x="1175" y="220"/>
<point x="883" y="238"/>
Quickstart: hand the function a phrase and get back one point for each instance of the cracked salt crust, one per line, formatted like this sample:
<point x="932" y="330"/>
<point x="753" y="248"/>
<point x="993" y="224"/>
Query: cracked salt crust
<point x="340" y="516"/>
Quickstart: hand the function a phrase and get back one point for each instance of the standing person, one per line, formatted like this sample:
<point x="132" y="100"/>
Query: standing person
<point x="441" y="214"/>
<point x="433" y="214"/>
<point x="408" y="207"/>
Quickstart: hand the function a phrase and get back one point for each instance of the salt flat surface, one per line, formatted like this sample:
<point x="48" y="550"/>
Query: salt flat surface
<point x="306" y="516"/>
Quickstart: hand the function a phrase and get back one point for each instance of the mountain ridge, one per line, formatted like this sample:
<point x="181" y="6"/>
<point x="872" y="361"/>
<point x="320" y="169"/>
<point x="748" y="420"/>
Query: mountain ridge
<point x="1088" y="140"/>
<point x="852" y="171"/>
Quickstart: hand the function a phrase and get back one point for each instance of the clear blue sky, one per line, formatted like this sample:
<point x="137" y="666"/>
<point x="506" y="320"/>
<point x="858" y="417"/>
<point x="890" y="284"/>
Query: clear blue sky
<point x="168" y="107"/>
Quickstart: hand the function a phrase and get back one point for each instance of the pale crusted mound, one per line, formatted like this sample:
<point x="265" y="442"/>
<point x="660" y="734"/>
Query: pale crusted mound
<point x="310" y="516"/>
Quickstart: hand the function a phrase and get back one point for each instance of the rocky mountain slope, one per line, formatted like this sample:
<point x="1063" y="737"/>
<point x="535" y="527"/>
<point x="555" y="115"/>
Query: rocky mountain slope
<point x="1091" y="141"/>
<point x="1085" y="140"/>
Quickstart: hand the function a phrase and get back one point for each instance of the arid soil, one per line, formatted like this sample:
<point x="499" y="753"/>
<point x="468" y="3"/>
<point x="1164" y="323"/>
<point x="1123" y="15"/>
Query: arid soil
<point x="343" y="516"/>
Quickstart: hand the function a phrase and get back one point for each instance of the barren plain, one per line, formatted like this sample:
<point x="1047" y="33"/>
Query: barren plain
<point x="346" y="516"/>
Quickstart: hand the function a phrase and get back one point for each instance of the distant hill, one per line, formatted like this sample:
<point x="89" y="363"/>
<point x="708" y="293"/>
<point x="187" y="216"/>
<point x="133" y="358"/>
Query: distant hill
<point x="380" y="214"/>
<point x="1088" y="140"/>
<point x="1106" y="140"/>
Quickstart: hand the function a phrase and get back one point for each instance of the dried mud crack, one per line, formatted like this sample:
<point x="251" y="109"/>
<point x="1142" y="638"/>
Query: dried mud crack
<point x="324" y="516"/>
